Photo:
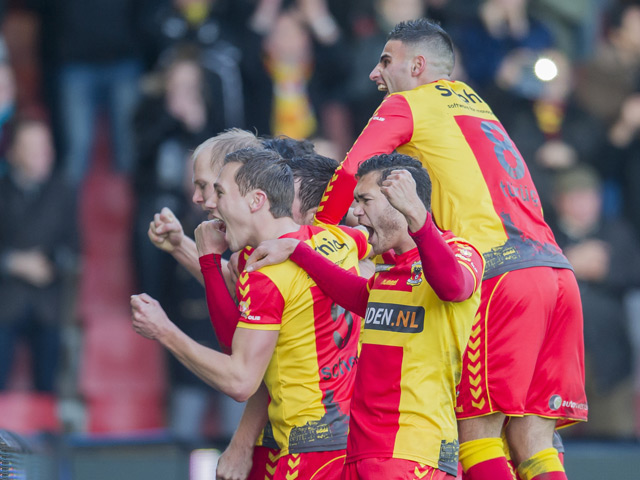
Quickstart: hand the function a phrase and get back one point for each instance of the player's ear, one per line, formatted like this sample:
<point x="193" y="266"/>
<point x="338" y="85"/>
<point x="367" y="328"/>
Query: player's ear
<point x="418" y="65"/>
<point x="258" y="199"/>
<point x="309" y="215"/>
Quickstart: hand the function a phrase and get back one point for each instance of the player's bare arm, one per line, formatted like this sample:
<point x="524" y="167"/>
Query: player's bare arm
<point x="236" y="461"/>
<point x="238" y="375"/>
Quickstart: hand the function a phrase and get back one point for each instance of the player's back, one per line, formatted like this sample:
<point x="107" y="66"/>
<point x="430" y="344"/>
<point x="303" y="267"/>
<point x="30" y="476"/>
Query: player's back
<point x="482" y="189"/>
<point x="311" y="373"/>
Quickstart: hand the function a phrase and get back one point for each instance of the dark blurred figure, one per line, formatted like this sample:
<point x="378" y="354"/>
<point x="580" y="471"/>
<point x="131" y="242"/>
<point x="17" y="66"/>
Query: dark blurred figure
<point x="363" y="95"/>
<point x="605" y="256"/>
<point x="575" y="24"/>
<point x="307" y="58"/>
<point x="228" y="50"/>
<point x="91" y="56"/>
<point x="503" y="28"/>
<point x="7" y="107"/>
<point x="613" y="72"/>
<point x="38" y="249"/>
<point x="608" y="88"/>
<point x="169" y="123"/>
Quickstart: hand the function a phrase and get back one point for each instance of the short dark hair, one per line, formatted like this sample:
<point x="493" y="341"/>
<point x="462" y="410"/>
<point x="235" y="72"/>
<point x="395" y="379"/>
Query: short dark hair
<point x="314" y="172"/>
<point x="429" y="33"/>
<point x="396" y="161"/>
<point x="288" y="147"/>
<point x="267" y="171"/>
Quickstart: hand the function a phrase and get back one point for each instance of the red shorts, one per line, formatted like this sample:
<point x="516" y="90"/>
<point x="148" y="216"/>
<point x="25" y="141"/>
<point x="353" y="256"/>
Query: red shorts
<point x="526" y="350"/>
<point x="310" y="465"/>
<point x="264" y="464"/>
<point x="391" y="469"/>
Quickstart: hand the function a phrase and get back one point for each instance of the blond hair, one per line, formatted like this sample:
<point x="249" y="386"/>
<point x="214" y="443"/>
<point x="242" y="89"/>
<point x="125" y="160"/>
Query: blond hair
<point x="226" y="142"/>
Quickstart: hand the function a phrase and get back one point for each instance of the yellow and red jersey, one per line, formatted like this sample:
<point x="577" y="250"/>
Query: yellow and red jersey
<point x="411" y="361"/>
<point x="482" y="189"/>
<point x="311" y="373"/>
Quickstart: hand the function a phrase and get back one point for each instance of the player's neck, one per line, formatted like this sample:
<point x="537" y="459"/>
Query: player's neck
<point x="405" y="244"/>
<point x="275" y="228"/>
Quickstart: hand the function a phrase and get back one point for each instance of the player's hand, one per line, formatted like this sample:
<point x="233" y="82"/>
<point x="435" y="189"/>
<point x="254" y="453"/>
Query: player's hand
<point x="165" y="231"/>
<point x="148" y="317"/>
<point x="400" y="189"/>
<point x="234" y="463"/>
<point x="271" y="252"/>
<point x="210" y="238"/>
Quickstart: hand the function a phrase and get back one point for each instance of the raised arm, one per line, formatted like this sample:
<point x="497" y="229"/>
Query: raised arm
<point x="223" y="311"/>
<point x="238" y="375"/>
<point x="390" y="126"/>
<point x="166" y="233"/>
<point x="452" y="268"/>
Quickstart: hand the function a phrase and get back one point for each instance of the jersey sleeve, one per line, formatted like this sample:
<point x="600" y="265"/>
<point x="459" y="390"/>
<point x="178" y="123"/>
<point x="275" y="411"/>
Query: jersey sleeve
<point x="468" y="257"/>
<point x="450" y="265"/>
<point x="223" y="311"/>
<point x="390" y="126"/>
<point x="261" y="303"/>
<point x="361" y="239"/>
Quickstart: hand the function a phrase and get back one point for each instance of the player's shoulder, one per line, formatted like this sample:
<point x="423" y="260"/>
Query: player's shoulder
<point x="341" y="233"/>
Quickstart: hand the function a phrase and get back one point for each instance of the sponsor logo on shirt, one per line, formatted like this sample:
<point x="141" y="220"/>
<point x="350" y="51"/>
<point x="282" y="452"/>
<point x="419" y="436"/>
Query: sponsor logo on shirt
<point x="394" y="318"/>
<point x="339" y="368"/>
<point x="377" y="118"/>
<point x="389" y="282"/>
<point x="555" y="402"/>
<point x="327" y="247"/>
<point x="383" y="267"/>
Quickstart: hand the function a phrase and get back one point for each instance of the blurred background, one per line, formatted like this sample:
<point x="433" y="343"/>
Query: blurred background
<point x="103" y="101"/>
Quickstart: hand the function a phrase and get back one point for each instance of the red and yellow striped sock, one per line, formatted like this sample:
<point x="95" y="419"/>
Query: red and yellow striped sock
<point x="484" y="459"/>
<point x="544" y="465"/>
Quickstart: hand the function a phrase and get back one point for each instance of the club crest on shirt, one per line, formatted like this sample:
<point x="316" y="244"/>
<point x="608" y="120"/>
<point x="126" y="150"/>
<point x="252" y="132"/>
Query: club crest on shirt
<point x="416" y="274"/>
<point x="243" y="306"/>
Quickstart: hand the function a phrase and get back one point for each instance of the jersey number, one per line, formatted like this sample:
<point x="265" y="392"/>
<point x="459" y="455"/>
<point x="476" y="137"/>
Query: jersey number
<point x="504" y="145"/>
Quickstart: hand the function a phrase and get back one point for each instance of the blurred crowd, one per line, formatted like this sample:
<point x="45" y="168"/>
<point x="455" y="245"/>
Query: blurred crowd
<point x="161" y="76"/>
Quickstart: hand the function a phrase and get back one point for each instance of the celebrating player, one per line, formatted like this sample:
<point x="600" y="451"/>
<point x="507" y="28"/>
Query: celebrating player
<point x="525" y="358"/>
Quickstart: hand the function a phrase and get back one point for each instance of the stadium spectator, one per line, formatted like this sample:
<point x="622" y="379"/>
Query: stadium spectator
<point x="168" y="124"/>
<point x="92" y="59"/>
<point x="38" y="251"/>
<point x="605" y="255"/>
<point x="483" y="192"/>
<point x="502" y="29"/>
<point x="363" y="96"/>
